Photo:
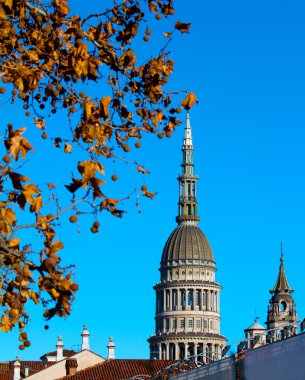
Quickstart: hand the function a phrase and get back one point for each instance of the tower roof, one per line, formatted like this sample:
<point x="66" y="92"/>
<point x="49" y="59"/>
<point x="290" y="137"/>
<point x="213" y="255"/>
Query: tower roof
<point x="281" y="285"/>
<point x="187" y="242"/>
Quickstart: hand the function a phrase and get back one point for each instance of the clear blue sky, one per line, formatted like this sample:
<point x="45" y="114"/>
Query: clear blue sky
<point x="245" y="61"/>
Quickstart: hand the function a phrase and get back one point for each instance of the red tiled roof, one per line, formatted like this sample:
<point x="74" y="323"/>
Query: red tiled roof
<point x="7" y="368"/>
<point x="66" y="353"/>
<point x="120" y="369"/>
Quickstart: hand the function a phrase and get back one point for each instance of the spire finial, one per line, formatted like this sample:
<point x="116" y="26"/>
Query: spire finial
<point x="187" y="211"/>
<point x="282" y="254"/>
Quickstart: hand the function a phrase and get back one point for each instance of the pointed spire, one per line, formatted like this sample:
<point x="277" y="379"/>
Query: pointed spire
<point x="281" y="285"/>
<point x="187" y="180"/>
<point x="187" y="141"/>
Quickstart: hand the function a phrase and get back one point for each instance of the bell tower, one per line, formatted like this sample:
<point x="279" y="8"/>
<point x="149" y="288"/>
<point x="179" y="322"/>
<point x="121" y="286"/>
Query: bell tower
<point x="282" y="308"/>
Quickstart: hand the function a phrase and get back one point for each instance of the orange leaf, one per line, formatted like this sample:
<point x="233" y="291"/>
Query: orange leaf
<point x="103" y="107"/>
<point x="183" y="27"/>
<point x="40" y="124"/>
<point x="189" y="101"/>
<point x="142" y="170"/>
<point x="68" y="148"/>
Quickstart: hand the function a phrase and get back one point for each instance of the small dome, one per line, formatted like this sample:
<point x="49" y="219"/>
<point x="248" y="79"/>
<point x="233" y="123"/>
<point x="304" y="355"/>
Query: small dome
<point x="187" y="242"/>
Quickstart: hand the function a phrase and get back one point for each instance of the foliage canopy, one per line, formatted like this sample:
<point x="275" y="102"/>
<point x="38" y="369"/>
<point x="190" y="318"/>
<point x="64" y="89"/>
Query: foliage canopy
<point x="45" y="53"/>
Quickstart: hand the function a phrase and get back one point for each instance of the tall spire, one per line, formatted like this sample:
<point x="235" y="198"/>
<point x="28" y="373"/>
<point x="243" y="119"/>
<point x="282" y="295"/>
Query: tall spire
<point x="281" y="285"/>
<point x="282" y="308"/>
<point x="187" y="205"/>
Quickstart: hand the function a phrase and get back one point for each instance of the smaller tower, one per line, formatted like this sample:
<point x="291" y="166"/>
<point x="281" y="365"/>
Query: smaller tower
<point x="255" y="335"/>
<point x="85" y="338"/>
<point x="282" y="308"/>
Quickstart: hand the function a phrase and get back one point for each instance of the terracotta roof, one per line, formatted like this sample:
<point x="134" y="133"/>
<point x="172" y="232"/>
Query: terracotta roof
<point x="120" y="369"/>
<point x="66" y="353"/>
<point x="7" y="368"/>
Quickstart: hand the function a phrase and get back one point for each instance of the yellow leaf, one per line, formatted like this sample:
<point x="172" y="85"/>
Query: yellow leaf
<point x="189" y="101"/>
<point x="36" y="204"/>
<point x="14" y="243"/>
<point x="34" y="297"/>
<point x="5" y="324"/>
<point x="103" y="107"/>
<point x="68" y="148"/>
<point x="28" y="191"/>
<point x="40" y="124"/>
<point x="19" y="83"/>
<point x="167" y="35"/>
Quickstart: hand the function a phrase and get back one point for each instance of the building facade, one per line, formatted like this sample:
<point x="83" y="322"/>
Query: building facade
<point x="187" y="318"/>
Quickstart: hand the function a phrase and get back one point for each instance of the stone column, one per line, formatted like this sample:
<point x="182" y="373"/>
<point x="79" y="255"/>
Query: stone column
<point x="160" y="351"/>
<point x="177" y="351"/>
<point x="186" y="346"/>
<point x="164" y="300"/>
<point x="212" y="300"/>
<point x="204" y="352"/>
<point x="167" y="351"/>
<point x="207" y="300"/>
<point x="195" y="349"/>
<point x="171" y="299"/>
<point x="179" y="299"/>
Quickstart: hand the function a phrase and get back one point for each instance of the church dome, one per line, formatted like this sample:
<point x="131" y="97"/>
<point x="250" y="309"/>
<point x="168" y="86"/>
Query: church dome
<point x="187" y="242"/>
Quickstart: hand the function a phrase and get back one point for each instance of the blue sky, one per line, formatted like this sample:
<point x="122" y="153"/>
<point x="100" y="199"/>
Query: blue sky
<point x="245" y="62"/>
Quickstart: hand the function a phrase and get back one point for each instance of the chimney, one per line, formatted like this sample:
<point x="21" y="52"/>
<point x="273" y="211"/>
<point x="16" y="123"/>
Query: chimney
<point x="110" y="347"/>
<point x="17" y="369"/>
<point x="59" y="349"/>
<point x="85" y="338"/>
<point x="71" y="366"/>
<point x="26" y="371"/>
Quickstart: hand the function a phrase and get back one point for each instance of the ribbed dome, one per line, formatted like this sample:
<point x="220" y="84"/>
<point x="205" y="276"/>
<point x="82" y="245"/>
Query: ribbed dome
<point x="187" y="242"/>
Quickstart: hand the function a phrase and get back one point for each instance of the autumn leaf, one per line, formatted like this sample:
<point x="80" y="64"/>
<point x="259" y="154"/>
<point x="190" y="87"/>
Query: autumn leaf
<point x="167" y="35"/>
<point x="17" y="179"/>
<point x="40" y="123"/>
<point x="103" y="107"/>
<point x="16" y="144"/>
<point x="75" y="185"/>
<point x="5" y="324"/>
<point x="28" y="191"/>
<point x="13" y="243"/>
<point x="149" y="195"/>
<point x="36" y="204"/>
<point x="68" y="148"/>
<point x="183" y="27"/>
<point x="88" y="168"/>
<point x="189" y="101"/>
<point x="140" y="169"/>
